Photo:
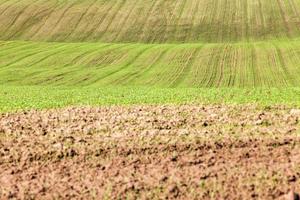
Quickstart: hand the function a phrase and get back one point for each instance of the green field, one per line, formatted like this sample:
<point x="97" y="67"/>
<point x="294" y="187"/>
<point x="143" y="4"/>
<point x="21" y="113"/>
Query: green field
<point x="259" y="64"/>
<point x="36" y="97"/>
<point x="163" y="46"/>
<point x="150" y="99"/>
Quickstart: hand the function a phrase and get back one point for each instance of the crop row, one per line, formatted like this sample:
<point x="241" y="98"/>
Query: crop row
<point x="269" y="64"/>
<point x="151" y="21"/>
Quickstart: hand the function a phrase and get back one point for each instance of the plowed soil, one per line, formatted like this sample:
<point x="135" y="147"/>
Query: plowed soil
<point x="150" y="152"/>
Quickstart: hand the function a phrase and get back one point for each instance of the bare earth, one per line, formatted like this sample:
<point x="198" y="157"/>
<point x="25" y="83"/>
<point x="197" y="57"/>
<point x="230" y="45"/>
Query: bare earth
<point x="151" y="152"/>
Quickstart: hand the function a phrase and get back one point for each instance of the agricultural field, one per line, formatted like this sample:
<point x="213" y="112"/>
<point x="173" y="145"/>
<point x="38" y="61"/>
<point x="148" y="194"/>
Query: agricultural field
<point x="149" y="21"/>
<point x="257" y="64"/>
<point x="149" y="99"/>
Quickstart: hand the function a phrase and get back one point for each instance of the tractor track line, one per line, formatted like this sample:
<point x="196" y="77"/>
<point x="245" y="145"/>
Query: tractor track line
<point x="187" y="68"/>
<point x="123" y="23"/>
<point x="80" y="19"/>
<point x="148" y="68"/>
<point x="18" y="16"/>
<point x="99" y="23"/>
<point x="21" y="29"/>
<point x="119" y="81"/>
<point x="55" y="27"/>
<point x="120" y="7"/>
<point x="36" y="32"/>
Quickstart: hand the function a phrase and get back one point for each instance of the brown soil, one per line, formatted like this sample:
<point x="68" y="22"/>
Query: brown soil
<point x="151" y="152"/>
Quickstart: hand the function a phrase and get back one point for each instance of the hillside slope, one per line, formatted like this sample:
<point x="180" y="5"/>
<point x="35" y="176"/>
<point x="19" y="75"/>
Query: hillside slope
<point x="228" y="43"/>
<point x="149" y="21"/>
<point x="260" y="64"/>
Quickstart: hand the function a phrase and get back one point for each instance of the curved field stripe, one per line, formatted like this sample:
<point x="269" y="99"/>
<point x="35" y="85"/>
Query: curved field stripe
<point x="15" y="49"/>
<point x="246" y="20"/>
<point x="185" y="70"/>
<point x="160" y="72"/>
<point x="17" y="16"/>
<point x="204" y="68"/>
<point x="221" y="14"/>
<point x="67" y="67"/>
<point x="72" y="63"/>
<point x="159" y="32"/>
<point x="175" y="18"/>
<point x="146" y="20"/>
<point x="271" y="66"/>
<point x="122" y="23"/>
<point x="213" y="19"/>
<point x="262" y="19"/>
<point x="137" y="75"/>
<point x="215" y="58"/>
<point x="55" y="27"/>
<point x="199" y="34"/>
<point x="199" y="70"/>
<point x="256" y="78"/>
<point x="120" y="6"/>
<point x="3" y="2"/>
<point x="81" y="56"/>
<point x="181" y="33"/>
<point x="47" y="56"/>
<point x="295" y="8"/>
<point x="282" y="64"/>
<point x="11" y="4"/>
<point x="88" y="59"/>
<point x="232" y="69"/>
<point x="3" y="8"/>
<point x="135" y="72"/>
<point x="102" y="56"/>
<point x="171" y="67"/>
<point x="94" y="29"/>
<point x="28" y="22"/>
<point x="82" y="14"/>
<point x="126" y="65"/>
<point x="245" y="74"/>
<point x="284" y="18"/>
<point x="222" y="65"/>
<point x="218" y="65"/>
<point x="106" y="68"/>
<point x="261" y="64"/>
<point x="113" y="8"/>
<point x="18" y="59"/>
<point x="192" y="25"/>
<point x="84" y="64"/>
<point x="32" y="55"/>
<point x="151" y="21"/>
<point x="279" y="78"/>
<point x="44" y="22"/>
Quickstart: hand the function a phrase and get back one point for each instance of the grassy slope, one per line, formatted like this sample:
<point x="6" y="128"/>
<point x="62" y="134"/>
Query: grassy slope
<point x="260" y="64"/>
<point x="149" y="21"/>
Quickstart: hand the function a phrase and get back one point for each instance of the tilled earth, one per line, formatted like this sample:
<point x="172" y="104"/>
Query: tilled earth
<point x="150" y="152"/>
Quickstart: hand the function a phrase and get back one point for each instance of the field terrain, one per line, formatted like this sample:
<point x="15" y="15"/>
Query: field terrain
<point x="149" y="21"/>
<point x="151" y="152"/>
<point x="149" y="99"/>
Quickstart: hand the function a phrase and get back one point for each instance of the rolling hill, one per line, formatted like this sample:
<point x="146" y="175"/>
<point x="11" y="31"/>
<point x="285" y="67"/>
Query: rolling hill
<point x="161" y="43"/>
<point x="149" y="21"/>
<point x="150" y="99"/>
<point x="260" y="64"/>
